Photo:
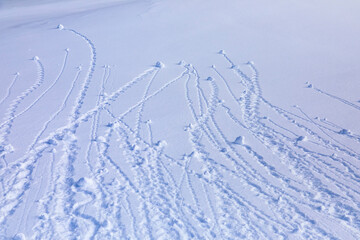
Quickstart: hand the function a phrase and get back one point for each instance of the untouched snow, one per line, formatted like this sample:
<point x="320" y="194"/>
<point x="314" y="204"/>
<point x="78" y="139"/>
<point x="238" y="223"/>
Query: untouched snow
<point x="149" y="119"/>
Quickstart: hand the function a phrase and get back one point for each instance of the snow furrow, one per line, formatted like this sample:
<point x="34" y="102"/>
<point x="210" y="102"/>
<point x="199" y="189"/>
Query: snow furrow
<point x="8" y="91"/>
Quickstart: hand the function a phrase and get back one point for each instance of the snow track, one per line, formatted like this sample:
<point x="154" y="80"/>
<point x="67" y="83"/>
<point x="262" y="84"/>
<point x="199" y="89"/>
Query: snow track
<point x="106" y="174"/>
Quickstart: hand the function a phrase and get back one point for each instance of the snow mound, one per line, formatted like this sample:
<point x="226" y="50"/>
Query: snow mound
<point x="239" y="140"/>
<point x="60" y="27"/>
<point x="301" y="139"/>
<point x="159" y="64"/>
<point x="345" y="132"/>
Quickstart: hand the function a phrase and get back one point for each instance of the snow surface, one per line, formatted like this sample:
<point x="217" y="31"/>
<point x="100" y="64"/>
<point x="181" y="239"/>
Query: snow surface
<point x="169" y="119"/>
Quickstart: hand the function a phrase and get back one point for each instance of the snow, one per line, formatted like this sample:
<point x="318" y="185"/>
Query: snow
<point x="60" y="27"/>
<point x="159" y="64"/>
<point x="169" y="119"/>
<point x="239" y="140"/>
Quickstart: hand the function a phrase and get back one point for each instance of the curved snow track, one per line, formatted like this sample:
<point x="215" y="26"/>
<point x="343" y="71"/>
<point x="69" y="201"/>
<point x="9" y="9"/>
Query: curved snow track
<point x="105" y="174"/>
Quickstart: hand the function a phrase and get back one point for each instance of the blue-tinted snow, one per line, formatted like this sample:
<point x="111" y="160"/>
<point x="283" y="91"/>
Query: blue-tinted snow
<point x="179" y="119"/>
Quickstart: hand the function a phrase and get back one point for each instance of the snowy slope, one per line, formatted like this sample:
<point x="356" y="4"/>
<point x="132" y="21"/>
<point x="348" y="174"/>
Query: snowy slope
<point x="149" y="119"/>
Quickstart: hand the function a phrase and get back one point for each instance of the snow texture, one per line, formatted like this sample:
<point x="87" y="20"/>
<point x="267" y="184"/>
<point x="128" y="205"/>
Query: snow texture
<point x="99" y="140"/>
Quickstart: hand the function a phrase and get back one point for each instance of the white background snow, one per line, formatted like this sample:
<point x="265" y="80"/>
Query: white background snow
<point x="169" y="119"/>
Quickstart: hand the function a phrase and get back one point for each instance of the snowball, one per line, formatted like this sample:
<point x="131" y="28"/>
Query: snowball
<point x="60" y="27"/>
<point x="181" y="63"/>
<point x="85" y="182"/>
<point x="80" y="183"/>
<point x="161" y="143"/>
<point x="9" y="148"/>
<point x="159" y="64"/>
<point x="90" y="183"/>
<point x="301" y="138"/>
<point x="188" y="127"/>
<point x="197" y="155"/>
<point x="186" y="157"/>
<point x="221" y="52"/>
<point x="36" y="58"/>
<point x="50" y="142"/>
<point x="19" y="236"/>
<point x="344" y="132"/>
<point x="223" y="150"/>
<point x="59" y="136"/>
<point x="101" y="139"/>
<point x="209" y="79"/>
<point x="136" y="147"/>
<point x="239" y="140"/>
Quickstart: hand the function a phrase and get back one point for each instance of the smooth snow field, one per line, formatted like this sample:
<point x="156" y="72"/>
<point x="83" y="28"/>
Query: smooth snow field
<point x="180" y="119"/>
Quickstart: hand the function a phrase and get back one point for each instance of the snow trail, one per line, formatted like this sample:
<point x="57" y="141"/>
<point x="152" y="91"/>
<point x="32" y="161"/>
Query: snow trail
<point x="170" y="154"/>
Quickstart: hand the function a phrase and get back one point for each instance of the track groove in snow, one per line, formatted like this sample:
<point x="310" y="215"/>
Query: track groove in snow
<point x="108" y="175"/>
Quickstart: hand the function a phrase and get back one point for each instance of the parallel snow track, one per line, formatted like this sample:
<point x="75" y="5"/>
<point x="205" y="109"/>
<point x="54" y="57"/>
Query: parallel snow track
<point x="110" y="177"/>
